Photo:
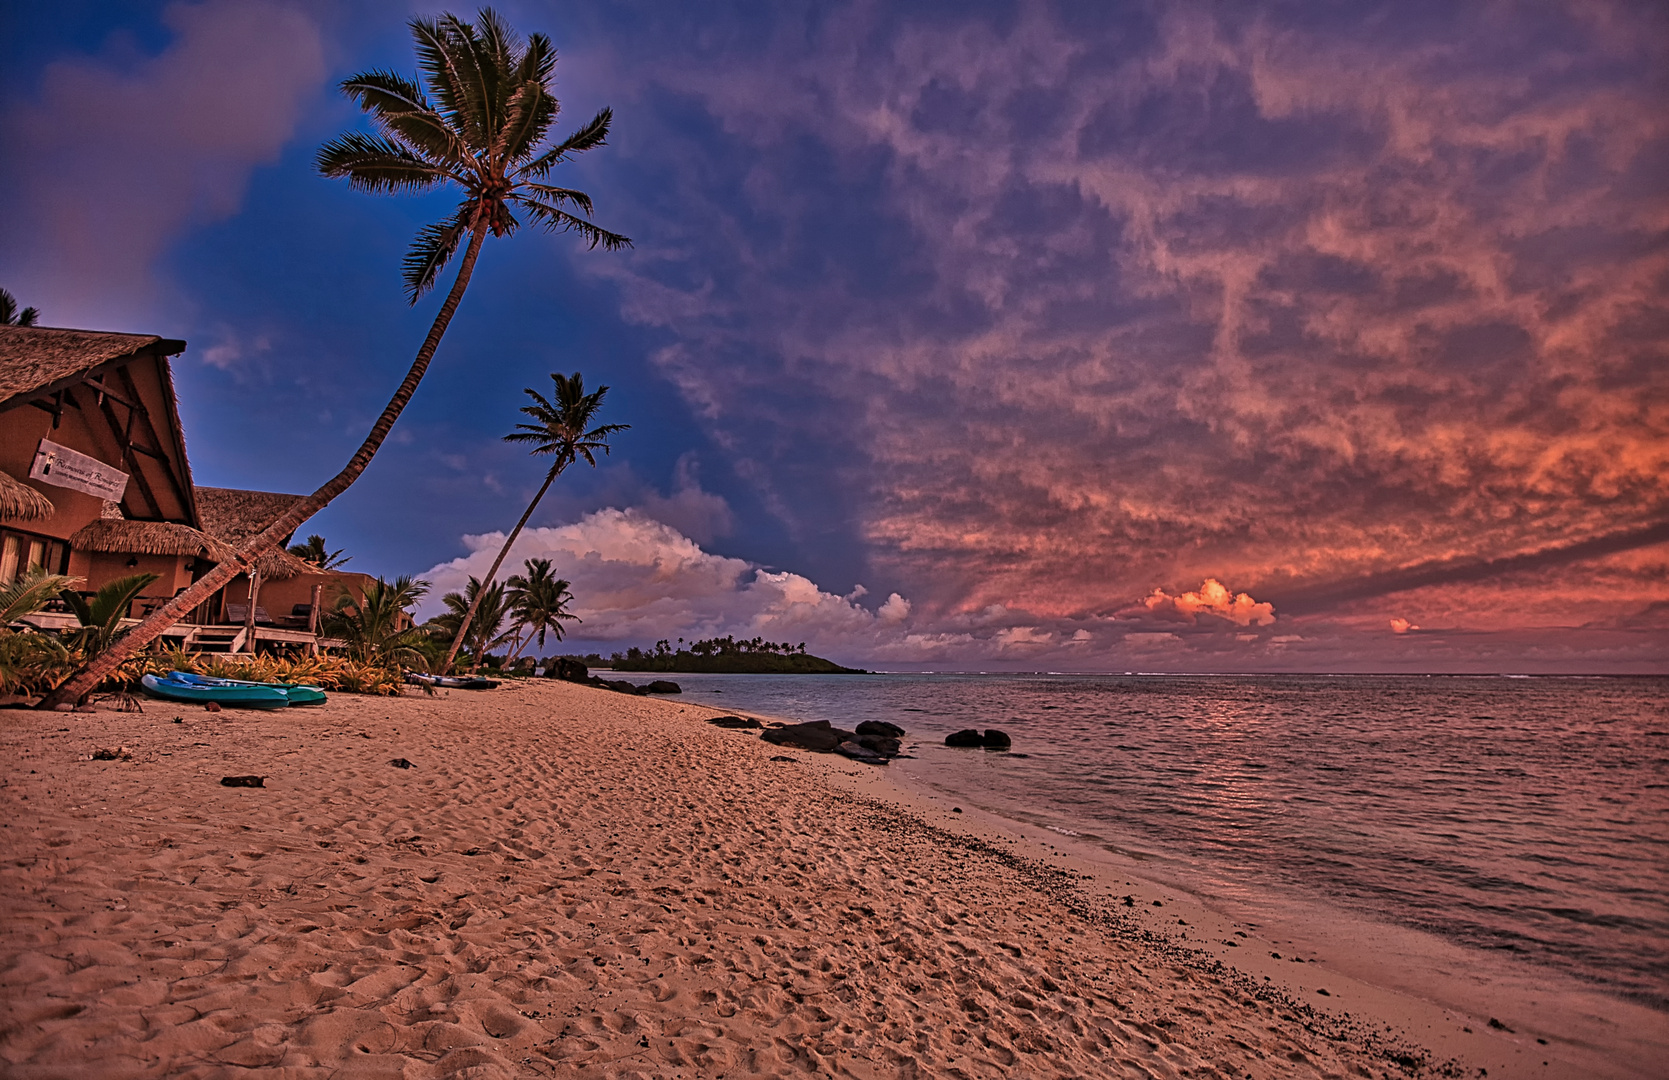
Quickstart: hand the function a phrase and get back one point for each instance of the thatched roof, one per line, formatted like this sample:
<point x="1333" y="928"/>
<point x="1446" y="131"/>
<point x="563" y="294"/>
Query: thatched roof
<point x="20" y="502"/>
<point x="36" y="360"/>
<point x="235" y="515"/>
<point x="119" y="536"/>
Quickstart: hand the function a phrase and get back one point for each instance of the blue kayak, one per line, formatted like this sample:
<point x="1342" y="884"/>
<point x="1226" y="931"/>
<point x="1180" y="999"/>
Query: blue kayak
<point x="202" y="689"/>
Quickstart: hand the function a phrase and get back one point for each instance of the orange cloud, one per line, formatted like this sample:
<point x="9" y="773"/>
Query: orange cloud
<point x="1213" y="598"/>
<point x="1402" y="626"/>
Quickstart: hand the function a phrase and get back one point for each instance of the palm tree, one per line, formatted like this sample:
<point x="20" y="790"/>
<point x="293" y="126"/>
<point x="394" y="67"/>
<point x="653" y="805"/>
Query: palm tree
<point x="477" y="120"/>
<point x="540" y="603"/>
<point x="316" y="552"/>
<point x="485" y="632"/>
<point x="561" y="429"/>
<point x="376" y="629"/>
<point x="29" y="593"/>
<point x="10" y="316"/>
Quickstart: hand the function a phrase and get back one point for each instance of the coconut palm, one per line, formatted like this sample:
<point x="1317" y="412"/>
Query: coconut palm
<point x="476" y="118"/>
<point x="377" y="629"/>
<point x="539" y="601"/>
<point x="478" y="636"/>
<point x="10" y="316"/>
<point x="319" y="554"/>
<point x="562" y="428"/>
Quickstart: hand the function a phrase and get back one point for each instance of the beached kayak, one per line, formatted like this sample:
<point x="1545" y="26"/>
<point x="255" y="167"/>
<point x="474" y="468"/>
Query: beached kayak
<point x="452" y="682"/>
<point x="202" y="689"/>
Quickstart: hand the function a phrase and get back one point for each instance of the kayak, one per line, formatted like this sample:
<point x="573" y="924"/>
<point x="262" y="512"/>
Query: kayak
<point x="202" y="689"/>
<point x="452" y="682"/>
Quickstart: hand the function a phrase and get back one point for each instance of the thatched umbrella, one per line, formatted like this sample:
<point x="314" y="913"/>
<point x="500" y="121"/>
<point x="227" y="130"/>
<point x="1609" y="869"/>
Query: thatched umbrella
<point x="20" y="502"/>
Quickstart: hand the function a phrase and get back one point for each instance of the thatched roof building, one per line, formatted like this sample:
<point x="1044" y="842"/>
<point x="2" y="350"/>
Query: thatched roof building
<point x="117" y="536"/>
<point x="37" y="361"/>
<point x="19" y="502"/>
<point x="234" y="516"/>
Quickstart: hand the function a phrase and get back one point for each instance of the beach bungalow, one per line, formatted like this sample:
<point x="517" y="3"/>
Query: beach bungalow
<point x="95" y="482"/>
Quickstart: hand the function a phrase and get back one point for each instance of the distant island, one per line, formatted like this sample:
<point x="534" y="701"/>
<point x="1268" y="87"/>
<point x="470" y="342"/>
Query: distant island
<point x="728" y="656"/>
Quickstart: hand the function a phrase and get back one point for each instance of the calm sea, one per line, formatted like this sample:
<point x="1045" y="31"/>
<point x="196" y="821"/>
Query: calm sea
<point x="1525" y="816"/>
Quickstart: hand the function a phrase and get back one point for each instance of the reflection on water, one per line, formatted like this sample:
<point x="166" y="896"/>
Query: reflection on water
<point x="1528" y="816"/>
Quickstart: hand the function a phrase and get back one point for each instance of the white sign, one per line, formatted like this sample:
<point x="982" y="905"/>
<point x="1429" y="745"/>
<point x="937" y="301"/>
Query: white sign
<point x="68" y="468"/>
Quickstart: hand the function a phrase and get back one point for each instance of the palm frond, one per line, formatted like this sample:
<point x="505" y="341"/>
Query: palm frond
<point x="590" y="136"/>
<point x="556" y="196"/>
<point x="470" y="59"/>
<point x="438" y="63"/>
<point x="432" y="249"/>
<point x="370" y="163"/>
<point x="31" y="592"/>
<point x="498" y="55"/>
<point x="556" y="219"/>
<point x="28" y="315"/>
<point x="527" y="117"/>
<point x="398" y="107"/>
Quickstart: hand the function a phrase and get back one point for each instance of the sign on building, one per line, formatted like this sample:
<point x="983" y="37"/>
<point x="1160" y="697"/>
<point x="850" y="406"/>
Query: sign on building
<point x="71" y="469"/>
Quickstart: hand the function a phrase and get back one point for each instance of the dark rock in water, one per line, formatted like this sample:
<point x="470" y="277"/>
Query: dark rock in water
<point x="968" y="737"/>
<point x="619" y="686"/>
<point x="996" y="740"/>
<point x="662" y="686"/>
<point x="567" y="670"/>
<point x="818" y="735"/>
<point x="734" y="722"/>
<point x="858" y="752"/>
<point x="879" y="744"/>
<point x="881" y="729"/>
<point x="402" y="763"/>
<point x="243" y="781"/>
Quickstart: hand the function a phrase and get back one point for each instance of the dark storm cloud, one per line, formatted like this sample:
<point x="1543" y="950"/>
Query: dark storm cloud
<point x="1066" y="313"/>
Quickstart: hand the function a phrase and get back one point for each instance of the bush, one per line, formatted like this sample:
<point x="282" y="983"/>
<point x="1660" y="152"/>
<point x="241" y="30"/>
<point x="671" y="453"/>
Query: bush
<point x="337" y="673"/>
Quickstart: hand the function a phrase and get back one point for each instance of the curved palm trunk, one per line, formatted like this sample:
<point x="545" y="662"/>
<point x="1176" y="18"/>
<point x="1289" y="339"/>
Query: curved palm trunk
<point x="85" y="680"/>
<point x="469" y="616"/>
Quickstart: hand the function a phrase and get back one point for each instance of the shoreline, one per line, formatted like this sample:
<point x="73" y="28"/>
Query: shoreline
<point x="575" y="883"/>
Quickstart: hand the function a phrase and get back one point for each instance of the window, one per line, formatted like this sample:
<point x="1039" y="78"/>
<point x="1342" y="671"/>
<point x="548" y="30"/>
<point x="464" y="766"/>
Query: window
<point x="21" y="553"/>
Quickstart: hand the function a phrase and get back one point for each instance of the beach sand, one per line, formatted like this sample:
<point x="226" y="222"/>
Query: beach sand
<point x="569" y="882"/>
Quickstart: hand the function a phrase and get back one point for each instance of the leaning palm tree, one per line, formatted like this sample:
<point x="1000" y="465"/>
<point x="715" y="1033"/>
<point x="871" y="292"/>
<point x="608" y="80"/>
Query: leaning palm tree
<point x="486" y="632"/>
<point x="10" y="316"/>
<point x="476" y="119"/>
<point x="539" y="600"/>
<point x="562" y="428"/>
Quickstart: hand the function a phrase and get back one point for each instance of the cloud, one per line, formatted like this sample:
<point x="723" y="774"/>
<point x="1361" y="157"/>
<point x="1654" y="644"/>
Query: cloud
<point x="701" y="515"/>
<point x="637" y="580"/>
<point x="1402" y="626"/>
<point x="123" y="158"/>
<point x="1213" y="598"/>
<point x="1057" y="311"/>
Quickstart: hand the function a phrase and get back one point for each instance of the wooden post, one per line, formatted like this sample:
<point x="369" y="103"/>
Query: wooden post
<point x="313" y="618"/>
<point x="249" y="616"/>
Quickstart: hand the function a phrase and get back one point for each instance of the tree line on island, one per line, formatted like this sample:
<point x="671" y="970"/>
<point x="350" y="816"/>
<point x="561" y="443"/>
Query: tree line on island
<point x="727" y="655"/>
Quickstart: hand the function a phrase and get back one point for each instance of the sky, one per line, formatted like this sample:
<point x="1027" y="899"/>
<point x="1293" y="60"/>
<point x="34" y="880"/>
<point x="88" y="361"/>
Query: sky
<point x="954" y="336"/>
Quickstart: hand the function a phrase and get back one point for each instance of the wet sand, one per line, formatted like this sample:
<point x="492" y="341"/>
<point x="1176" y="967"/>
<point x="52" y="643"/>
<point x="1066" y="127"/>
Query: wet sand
<point x="573" y="883"/>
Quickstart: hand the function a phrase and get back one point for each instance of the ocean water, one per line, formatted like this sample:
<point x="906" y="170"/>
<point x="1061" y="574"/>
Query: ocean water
<point x="1525" y="817"/>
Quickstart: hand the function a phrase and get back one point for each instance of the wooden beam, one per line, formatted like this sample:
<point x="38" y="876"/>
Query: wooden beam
<point x="128" y="459"/>
<point x="169" y="466"/>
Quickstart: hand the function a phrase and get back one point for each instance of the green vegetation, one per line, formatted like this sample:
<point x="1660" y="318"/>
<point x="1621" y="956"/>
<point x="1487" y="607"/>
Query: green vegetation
<point x="317" y="552"/>
<point x="475" y="120"/>
<point x="563" y="430"/>
<point x="727" y="655"/>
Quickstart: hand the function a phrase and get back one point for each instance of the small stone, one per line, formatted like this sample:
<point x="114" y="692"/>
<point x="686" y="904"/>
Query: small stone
<point x="402" y="763"/>
<point x="243" y="781"/>
<point x="213" y="706"/>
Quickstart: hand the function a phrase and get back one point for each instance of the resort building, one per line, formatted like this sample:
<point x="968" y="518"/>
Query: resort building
<point x="95" y="483"/>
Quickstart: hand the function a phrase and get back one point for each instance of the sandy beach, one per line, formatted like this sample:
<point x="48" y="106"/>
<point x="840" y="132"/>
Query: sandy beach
<point x="568" y="882"/>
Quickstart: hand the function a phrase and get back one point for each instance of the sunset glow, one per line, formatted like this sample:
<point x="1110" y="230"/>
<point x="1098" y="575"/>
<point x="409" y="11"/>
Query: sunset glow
<point x="997" y="335"/>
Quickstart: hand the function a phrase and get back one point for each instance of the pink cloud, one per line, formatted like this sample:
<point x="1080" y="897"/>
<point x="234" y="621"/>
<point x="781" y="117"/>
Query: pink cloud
<point x="1213" y="598"/>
